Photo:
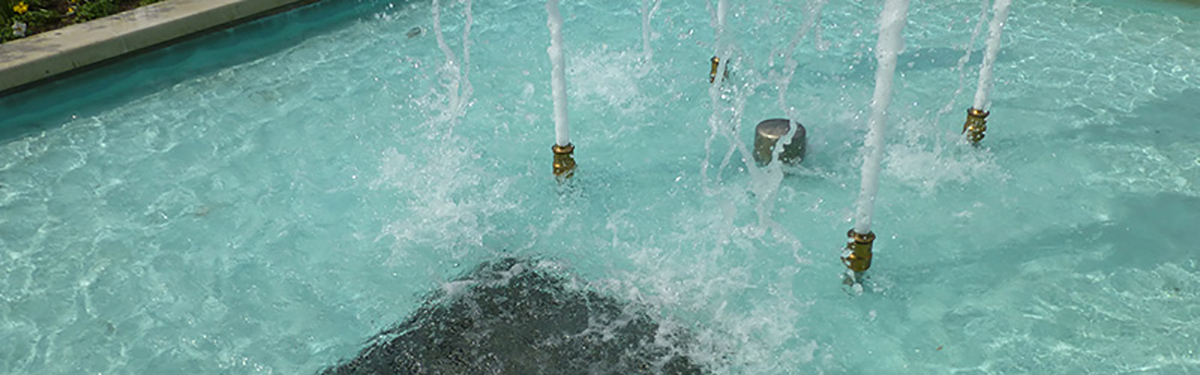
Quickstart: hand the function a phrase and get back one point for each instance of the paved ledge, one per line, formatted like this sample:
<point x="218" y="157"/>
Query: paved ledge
<point x="48" y="54"/>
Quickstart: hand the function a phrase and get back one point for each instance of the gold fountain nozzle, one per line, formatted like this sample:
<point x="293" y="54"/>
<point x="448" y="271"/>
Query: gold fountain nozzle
<point x="859" y="246"/>
<point x="712" y="73"/>
<point x="976" y="124"/>
<point x="564" y="162"/>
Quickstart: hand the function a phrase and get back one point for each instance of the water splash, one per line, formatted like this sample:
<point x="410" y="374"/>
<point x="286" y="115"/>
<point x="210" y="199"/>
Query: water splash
<point x="926" y="168"/>
<point x="445" y="194"/>
<point x="604" y="78"/>
<point x="722" y="49"/>
<point x="811" y="19"/>
<point x="729" y="99"/>
<point x="458" y="86"/>
<point x="647" y="32"/>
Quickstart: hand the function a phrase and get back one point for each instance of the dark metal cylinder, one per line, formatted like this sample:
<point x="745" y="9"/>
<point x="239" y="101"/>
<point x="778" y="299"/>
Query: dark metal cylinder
<point x="768" y="133"/>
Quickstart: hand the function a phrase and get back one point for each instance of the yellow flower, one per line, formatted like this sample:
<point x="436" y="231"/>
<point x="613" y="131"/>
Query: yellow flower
<point x="21" y="8"/>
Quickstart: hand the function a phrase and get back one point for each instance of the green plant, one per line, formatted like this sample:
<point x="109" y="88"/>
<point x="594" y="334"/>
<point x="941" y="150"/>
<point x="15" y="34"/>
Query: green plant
<point x="95" y="9"/>
<point x="44" y="15"/>
<point x="6" y="20"/>
<point x="40" y="17"/>
<point x="6" y="11"/>
<point x="6" y="31"/>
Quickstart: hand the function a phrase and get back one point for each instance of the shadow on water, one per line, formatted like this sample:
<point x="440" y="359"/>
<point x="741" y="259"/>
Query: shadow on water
<point x="1145" y="231"/>
<point x="1150" y="231"/>
<point x="515" y="316"/>
<point x="1142" y="232"/>
<point x="124" y="79"/>
<point x="1159" y="122"/>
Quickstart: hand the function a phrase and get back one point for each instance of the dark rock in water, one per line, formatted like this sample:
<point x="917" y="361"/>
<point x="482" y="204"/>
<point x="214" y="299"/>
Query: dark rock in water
<point x="514" y="317"/>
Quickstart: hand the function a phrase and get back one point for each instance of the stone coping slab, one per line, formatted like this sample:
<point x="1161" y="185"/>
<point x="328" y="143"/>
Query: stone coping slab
<point x="42" y="56"/>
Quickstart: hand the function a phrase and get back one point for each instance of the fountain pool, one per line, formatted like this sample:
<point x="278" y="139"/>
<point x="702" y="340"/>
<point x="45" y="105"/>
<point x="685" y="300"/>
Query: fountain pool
<point x="265" y="199"/>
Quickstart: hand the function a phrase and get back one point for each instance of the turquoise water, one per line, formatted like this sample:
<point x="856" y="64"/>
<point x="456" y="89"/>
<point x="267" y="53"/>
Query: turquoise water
<point x="265" y="199"/>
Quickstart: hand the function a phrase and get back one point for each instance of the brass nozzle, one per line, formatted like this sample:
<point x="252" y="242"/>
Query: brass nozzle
<point x="712" y="74"/>
<point x="859" y="245"/>
<point x="564" y="163"/>
<point x="976" y="125"/>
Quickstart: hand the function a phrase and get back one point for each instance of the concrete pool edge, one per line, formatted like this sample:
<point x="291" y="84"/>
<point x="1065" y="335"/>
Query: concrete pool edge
<point x="42" y="57"/>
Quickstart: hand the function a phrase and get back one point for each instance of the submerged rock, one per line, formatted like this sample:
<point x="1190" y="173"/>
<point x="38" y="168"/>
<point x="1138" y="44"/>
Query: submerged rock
<point x="513" y="317"/>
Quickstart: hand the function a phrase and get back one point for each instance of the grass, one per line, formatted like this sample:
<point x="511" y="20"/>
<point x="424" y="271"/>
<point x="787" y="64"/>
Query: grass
<point x="40" y="16"/>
